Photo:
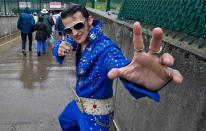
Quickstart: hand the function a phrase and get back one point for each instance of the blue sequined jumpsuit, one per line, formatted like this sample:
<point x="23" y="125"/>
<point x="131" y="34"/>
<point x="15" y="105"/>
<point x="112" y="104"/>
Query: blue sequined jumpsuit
<point x="98" y="58"/>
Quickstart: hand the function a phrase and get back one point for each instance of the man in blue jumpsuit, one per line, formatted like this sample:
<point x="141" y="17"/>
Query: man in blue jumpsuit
<point x="98" y="61"/>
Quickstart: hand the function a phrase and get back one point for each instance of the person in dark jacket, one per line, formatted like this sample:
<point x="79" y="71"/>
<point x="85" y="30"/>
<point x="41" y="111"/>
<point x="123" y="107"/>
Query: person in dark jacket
<point x="25" y="24"/>
<point x="47" y="20"/>
<point x="41" y="35"/>
<point x="60" y="28"/>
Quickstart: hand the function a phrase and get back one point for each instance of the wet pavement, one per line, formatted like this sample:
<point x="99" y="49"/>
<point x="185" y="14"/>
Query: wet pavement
<point x="33" y="90"/>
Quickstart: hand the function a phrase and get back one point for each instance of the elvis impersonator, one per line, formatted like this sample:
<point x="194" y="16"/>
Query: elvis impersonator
<point x="98" y="61"/>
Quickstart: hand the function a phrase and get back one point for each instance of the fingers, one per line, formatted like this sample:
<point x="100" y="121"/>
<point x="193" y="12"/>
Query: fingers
<point x="156" y="40"/>
<point x="175" y="75"/>
<point x="167" y="59"/>
<point x="114" y="73"/>
<point x="137" y="36"/>
<point x="71" y="48"/>
<point x="64" y="49"/>
<point x="61" y="51"/>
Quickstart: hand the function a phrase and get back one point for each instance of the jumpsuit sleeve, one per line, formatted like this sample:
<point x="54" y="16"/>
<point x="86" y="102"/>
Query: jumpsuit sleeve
<point x="115" y="59"/>
<point x="56" y="47"/>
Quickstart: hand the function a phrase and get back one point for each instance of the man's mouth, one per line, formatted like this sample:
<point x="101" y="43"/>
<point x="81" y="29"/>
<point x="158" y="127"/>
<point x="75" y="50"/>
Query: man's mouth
<point x="78" y="37"/>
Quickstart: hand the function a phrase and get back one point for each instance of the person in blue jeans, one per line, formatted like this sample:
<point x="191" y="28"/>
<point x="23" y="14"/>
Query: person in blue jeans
<point x="25" y="24"/>
<point x="41" y="35"/>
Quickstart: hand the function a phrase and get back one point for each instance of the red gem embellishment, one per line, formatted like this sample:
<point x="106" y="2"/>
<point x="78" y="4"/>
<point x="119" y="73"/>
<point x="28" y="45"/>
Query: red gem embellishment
<point x="94" y="106"/>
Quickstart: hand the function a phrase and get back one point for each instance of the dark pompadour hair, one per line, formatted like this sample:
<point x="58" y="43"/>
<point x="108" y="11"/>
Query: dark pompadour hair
<point x="72" y="9"/>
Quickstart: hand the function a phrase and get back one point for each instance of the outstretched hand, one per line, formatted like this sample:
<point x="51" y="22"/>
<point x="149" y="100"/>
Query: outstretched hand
<point x="147" y="68"/>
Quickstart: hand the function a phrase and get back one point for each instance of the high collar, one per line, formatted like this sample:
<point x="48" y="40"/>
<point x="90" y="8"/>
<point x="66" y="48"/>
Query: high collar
<point x="96" y="31"/>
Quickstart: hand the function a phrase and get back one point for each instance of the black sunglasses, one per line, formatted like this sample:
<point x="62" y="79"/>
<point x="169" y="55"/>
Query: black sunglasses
<point x="77" y="26"/>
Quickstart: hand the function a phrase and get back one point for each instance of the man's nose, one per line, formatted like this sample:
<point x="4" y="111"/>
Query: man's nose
<point x="74" y="32"/>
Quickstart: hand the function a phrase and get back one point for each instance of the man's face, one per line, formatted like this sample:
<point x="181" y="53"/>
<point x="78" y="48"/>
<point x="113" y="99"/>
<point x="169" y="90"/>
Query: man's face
<point x="70" y="23"/>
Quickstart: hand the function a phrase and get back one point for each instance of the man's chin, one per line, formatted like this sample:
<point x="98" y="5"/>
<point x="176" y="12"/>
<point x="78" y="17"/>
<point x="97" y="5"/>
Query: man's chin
<point x="79" y="41"/>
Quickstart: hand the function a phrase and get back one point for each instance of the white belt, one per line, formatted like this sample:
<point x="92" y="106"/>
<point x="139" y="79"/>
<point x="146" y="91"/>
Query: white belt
<point x="95" y="106"/>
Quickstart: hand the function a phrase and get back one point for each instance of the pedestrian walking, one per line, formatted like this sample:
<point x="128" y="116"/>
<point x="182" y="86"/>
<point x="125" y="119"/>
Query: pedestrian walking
<point x="98" y="61"/>
<point x="25" y="24"/>
<point x="48" y="21"/>
<point x="54" y="17"/>
<point x="41" y="36"/>
<point x="59" y="27"/>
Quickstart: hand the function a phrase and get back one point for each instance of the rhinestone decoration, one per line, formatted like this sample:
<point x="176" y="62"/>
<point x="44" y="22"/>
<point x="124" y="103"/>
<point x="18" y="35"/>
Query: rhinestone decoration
<point x="84" y="60"/>
<point x="93" y="36"/>
<point x="89" y="49"/>
<point x="81" y="70"/>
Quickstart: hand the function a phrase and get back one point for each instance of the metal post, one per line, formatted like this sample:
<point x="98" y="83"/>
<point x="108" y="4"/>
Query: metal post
<point x="32" y="6"/>
<point x="93" y="3"/>
<point x="18" y="6"/>
<point x="5" y="7"/>
<point x="108" y="5"/>
<point x="40" y="4"/>
<point x="37" y="4"/>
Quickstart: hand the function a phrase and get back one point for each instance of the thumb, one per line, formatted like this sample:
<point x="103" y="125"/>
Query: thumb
<point x="114" y="73"/>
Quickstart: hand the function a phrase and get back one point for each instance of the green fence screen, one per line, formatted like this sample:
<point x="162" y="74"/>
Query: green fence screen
<point x="188" y="16"/>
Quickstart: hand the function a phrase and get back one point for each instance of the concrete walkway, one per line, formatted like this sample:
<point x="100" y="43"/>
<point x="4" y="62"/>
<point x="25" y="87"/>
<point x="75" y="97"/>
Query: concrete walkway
<point x="33" y="90"/>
